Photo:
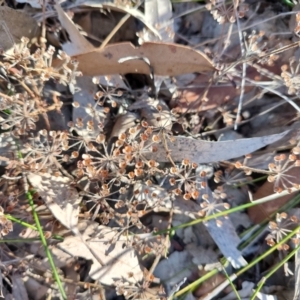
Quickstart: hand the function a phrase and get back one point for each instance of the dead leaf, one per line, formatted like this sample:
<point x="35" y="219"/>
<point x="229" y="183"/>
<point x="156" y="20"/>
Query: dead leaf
<point x="297" y="276"/>
<point x="200" y="151"/>
<point x="204" y="258"/>
<point x="33" y="3"/>
<point x="158" y="11"/>
<point x="19" y="291"/>
<point x="62" y="199"/>
<point x="35" y="290"/>
<point x="99" y="26"/>
<point x="166" y="59"/>
<point x="161" y="118"/>
<point x="118" y="261"/>
<point x="84" y="96"/>
<point x="162" y="201"/>
<point x="173" y="270"/>
<point x="260" y="212"/>
<point x="78" y="43"/>
<point x="124" y="122"/>
<point x="15" y="24"/>
<point x="209" y="285"/>
<point x="159" y="14"/>
<point x="191" y="98"/>
<point x="114" y="81"/>
<point x="245" y="292"/>
<point x="133" y="11"/>
<point x="224" y="235"/>
<point x="227" y="240"/>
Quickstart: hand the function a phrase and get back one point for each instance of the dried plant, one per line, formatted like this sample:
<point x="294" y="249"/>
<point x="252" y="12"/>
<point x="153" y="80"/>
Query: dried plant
<point x="119" y="181"/>
<point x="224" y="11"/>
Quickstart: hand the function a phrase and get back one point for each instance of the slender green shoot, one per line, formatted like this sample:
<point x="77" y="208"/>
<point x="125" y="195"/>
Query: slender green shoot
<point x="45" y="244"/>
<point x="41" y="233"/>
<point x="228" y="211"/>
<point x="231" y="284"/>
<point x="193" y="286"/>
<point x="289" y="3"/>
<point x="25" y="224"/>
<point x="277" y="267"/>
<point x="268" y="252"/>
<point x="261" y="178"/>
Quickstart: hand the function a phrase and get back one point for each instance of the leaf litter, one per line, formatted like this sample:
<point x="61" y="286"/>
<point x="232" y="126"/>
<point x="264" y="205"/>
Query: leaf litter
<point x="133" y="192"/>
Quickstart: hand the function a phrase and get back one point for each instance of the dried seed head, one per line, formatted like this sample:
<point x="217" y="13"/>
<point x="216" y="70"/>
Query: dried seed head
<point x="296" y="150"/>
<point x="173" y="170"/>
<point x="156" y="138"/>
<point x="226" y="205"/>
<point x="138" y="172"/>
<point x="205" y="197"/>
<point x="203" y="174"/>
<point x="278" y="189"/>
<point x="122" y="136"/>
<point x="177" y="192"/>
<point x="100" y="138"/>
<point x="144" y="124"/>
<point x="132" y="130"/>
<point x="219" y="223"/>
<point x="203" y="184"/>
<point x="152" y="163"/>
<point x="148" y="131"/>
<point x="127" y="149"/>
<point x="148" y="182"/>
<point x="144" y="137"/>
<point x="119" y="143"/>
<point x="116" y="152"/>
<point x="172" y="181"/>
<point x="139" y="164"/>
<point x="271" y="178"/>
<point x="195" y="194"/>
<point x="122" y="191"/>
<point x="131" y="175"/>
<point x="187" y="196"/>
<point x="154" y="149"/>
<point x="185" y="162"/>
<point x="238" y="165"/>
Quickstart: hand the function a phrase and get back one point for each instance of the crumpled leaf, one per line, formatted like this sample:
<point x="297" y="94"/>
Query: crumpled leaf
<point x="61" y="199"/>
<point x="200" y="151"/>
<point x="118" y="261"/>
